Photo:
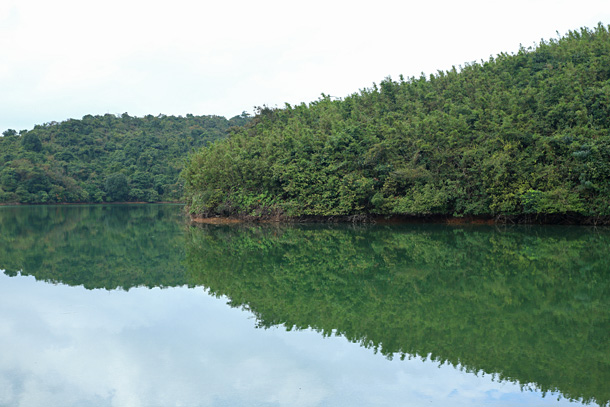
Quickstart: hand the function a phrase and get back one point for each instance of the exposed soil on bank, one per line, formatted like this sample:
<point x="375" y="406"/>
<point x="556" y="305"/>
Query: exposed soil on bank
<point x="563" y="219"/>
<point x="217" y="221"/>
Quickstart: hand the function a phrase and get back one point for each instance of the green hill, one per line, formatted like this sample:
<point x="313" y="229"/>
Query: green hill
<point x="523" y="135"/>
<point x="104" y="158"/>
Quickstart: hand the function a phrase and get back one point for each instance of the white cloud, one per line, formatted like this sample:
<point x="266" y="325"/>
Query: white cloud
<point x="68" y="58"/>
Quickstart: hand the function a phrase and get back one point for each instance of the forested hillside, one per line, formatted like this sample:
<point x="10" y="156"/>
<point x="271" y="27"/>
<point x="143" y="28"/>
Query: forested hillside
<point x="525" y="134"/>
<point x="104" y="158"/>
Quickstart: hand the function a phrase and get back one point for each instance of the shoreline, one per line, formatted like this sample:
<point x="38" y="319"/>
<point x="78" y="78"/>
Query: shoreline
<point x="548" y="219"/>
<point x="91" y="203"/>
<point x="521" y="219"/>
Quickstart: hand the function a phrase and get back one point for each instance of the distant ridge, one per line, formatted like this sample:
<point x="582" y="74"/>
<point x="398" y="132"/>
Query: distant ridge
<point x="104" y="158"/>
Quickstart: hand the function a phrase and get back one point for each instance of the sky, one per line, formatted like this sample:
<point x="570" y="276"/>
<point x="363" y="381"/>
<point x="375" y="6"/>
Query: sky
<point x="65" y="59"/>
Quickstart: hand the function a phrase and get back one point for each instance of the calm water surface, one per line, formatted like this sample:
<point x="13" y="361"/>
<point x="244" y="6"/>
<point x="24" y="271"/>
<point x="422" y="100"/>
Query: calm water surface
<point x="130" y="306"/>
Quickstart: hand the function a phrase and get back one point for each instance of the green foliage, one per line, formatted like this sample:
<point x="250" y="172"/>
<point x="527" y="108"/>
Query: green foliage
<point x="527" y="133"/>
<point x="524" y="304"/>
<point x="31" y="142"/>
<point x="80" y="160"/>
<point x="9" y="133"/>
<point x="117" y="188"/>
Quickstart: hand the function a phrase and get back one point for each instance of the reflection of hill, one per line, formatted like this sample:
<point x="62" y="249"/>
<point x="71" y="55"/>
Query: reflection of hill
<point x="529" y="305"/>
<point x="95" y="246"/>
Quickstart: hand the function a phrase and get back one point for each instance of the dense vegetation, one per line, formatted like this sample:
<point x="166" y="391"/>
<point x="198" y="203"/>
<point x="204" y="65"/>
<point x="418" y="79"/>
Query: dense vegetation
<point x="519" y="303"/>
<point x="524" y="134"/>
<point x="103" y="158"/>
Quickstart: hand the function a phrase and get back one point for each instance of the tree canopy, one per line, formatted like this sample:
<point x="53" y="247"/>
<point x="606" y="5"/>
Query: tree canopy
<point x="104" y="158"/>
<point x="525" y="134"/>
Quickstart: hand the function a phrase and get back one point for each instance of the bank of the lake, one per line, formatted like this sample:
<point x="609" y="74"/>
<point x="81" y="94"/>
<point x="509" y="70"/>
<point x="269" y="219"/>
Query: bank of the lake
<point x="92" y="203"/>
<point x="539" y="219"/>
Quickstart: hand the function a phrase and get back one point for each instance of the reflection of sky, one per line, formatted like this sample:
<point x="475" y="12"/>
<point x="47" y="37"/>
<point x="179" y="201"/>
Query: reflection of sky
<point x="67" y="346"/>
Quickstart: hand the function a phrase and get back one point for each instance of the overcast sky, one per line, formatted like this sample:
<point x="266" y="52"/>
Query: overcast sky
<point x="67" y="58"/>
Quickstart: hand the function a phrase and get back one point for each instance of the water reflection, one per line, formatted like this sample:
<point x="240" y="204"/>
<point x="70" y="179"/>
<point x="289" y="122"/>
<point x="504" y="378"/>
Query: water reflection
<point x="526" y="305"/>
<point x="67" y="346"/>
<point x="110" y="246"/>
<point x="521" y="305"/>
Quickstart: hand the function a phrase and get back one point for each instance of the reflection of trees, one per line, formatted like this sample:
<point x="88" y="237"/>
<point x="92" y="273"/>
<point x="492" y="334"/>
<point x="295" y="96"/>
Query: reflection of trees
<point x="95" y="246"/>
<point x="529" y="305"/>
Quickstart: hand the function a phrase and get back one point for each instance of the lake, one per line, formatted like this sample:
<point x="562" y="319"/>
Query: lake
<point x="129" y="305"/>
